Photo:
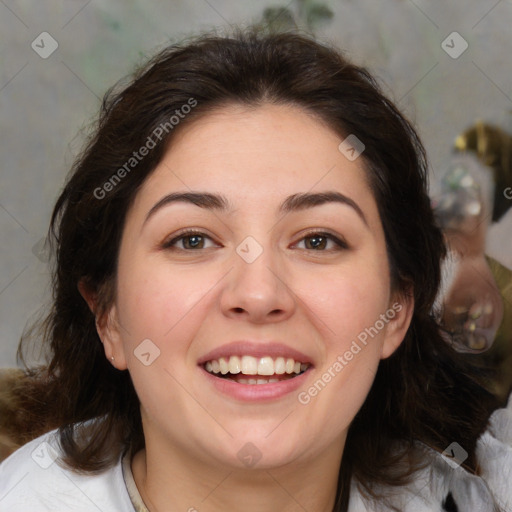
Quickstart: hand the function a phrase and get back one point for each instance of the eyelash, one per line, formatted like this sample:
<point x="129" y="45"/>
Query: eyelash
<point x="185" y="234"/>
<point x="340" y="243"/>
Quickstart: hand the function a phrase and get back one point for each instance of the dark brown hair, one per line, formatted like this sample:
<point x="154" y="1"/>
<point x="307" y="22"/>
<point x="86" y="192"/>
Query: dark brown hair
<point x="424" y="392"/>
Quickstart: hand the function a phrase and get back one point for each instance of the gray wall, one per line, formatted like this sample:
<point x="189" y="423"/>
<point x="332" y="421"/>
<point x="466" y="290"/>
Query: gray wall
<point x="45" y="102"/>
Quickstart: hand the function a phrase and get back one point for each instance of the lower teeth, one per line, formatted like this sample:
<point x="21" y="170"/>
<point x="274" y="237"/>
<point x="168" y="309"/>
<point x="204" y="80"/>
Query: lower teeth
<point x="267" y="380"/>
<point x="256" y="381"/>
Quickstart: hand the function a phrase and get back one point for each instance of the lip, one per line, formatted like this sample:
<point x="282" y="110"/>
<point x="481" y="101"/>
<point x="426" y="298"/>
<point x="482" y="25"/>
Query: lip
<point x="256" y="392"/>
<point x="255" y="349"/>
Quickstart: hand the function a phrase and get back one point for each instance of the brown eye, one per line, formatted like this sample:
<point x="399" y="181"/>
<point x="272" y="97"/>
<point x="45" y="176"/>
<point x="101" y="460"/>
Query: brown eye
<point x="193" y="242"/>
<point x="189" y="241"/>
<point x="322" y="242"/>
<point x="316" y="242"/>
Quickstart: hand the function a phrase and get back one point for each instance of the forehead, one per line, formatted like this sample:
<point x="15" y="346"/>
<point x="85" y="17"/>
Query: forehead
<point x="257" y="156"/>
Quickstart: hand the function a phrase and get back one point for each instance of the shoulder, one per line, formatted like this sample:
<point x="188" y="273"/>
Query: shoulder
<point x="442" y="485"/>
<point x="494" y="454"/>
<point x="34" y="478"/>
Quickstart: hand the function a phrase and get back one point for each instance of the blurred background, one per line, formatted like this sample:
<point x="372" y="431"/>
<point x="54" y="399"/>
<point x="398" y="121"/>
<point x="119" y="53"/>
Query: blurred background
<point x="447" y="65"/>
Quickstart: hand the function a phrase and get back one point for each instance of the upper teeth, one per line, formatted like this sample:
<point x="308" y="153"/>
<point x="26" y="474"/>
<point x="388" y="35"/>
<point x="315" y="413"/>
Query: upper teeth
<point x="249" y="365"/>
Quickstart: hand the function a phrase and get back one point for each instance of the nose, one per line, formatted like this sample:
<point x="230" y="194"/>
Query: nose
<point x="257" y="291"/>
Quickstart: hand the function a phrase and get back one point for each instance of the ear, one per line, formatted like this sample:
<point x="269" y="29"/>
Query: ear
<point x="88" y="294"/>
<point x="402" y="307"/>
<point x="107" y="326"/>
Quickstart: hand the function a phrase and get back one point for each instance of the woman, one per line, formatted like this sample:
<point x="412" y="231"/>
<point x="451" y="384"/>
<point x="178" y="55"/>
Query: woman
<point x="246" y="267"/>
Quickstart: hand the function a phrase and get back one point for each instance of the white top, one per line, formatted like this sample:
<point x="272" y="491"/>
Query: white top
<point x="32" y="480"/>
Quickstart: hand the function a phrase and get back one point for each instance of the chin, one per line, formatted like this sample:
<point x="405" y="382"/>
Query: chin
<point x="260" y="451"/>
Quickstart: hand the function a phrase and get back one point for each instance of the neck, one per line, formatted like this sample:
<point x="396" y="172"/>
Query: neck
<point x="173" y="481"/>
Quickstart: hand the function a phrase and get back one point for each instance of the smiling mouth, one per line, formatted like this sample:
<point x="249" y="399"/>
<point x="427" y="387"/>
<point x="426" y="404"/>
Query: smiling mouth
<point x="253" y="370"/>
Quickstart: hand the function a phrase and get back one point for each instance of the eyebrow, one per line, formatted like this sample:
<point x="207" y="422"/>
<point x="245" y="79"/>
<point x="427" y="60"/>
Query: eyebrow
<point x="295" y="202"/>
<point x="201" y="199"/>
<point x="308" y="200"/>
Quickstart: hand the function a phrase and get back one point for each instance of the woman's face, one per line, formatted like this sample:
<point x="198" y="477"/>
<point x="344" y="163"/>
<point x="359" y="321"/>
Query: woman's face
<point x="285" y="270"/>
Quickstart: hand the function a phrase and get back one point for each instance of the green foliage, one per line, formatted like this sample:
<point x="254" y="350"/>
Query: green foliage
<point x="308" y="14"/>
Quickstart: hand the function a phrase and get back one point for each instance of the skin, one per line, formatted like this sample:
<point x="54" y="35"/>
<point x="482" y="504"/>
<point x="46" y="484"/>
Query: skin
<point x="190" y="301"/>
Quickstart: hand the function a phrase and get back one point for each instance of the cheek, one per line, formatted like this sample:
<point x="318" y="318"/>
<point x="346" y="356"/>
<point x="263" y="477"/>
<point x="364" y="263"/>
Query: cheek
<point x="165" y="308"/>
<point x="346" y="306"/>
<point x="349" y="317"/>
<point x="345" y="303"/>
<point x="157" y="303"/>
<point x="337" y="394"/>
